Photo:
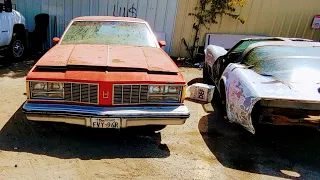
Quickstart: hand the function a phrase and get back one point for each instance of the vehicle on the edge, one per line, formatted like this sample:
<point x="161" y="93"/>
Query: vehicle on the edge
<point x="267" y="81"/>
<point x="107" y="72"/>
<point x="13" y="32"/>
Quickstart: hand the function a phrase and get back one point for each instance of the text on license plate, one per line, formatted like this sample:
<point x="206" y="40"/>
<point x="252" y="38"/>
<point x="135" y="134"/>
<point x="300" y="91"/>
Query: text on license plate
<point x="112" y="123"/>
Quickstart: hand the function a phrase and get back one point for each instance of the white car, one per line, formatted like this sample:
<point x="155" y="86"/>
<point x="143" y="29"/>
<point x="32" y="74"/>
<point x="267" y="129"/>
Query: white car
<point x="13" y="32"/>
<point x="273" y="81"/>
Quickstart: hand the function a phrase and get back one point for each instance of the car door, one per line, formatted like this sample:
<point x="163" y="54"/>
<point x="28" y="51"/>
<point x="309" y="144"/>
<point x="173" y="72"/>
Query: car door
<point x="217" y="68"/>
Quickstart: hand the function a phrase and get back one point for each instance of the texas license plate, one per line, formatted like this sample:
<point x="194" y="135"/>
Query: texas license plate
<point x="107" y="123"/>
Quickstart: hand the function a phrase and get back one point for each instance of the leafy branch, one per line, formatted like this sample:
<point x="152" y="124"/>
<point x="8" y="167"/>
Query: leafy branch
<point x="206" y="13"/>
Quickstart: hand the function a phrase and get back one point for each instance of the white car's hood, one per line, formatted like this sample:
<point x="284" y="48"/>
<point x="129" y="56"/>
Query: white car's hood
<point x="302" y="87"/>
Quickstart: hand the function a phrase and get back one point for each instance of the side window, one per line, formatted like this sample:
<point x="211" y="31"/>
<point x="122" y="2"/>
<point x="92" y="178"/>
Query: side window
<point x="250" y="59"/>
<point x="253" y="59"/>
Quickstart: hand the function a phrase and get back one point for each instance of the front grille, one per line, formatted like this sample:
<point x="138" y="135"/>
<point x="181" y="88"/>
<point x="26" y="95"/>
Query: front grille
<point x="76" y="92"/>
<point x="130" y="94"/>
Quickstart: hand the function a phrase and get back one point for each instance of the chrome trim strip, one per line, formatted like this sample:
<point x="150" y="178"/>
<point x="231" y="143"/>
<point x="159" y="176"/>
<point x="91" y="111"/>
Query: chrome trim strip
<point x="121" y="94"/>
<point x="89" y="97"/>
<point x="139" y="94"/>
<point x="71" y="92"/>
<point x="63" y="91"/>
<point x="177" y="111"/>
<point x="81" y="93"/>
<point x="130" y="93"/>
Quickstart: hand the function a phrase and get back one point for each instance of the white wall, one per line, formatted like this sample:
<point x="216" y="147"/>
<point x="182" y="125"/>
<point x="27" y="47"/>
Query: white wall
<point x="160" y="14"/>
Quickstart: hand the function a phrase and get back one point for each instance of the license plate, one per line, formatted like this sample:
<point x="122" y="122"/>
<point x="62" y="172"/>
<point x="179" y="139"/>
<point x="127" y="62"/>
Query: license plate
<point x="106" y="123"/>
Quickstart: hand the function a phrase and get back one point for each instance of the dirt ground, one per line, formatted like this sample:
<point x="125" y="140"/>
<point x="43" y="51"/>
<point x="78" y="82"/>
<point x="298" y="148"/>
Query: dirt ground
<point x="206" y="147"/>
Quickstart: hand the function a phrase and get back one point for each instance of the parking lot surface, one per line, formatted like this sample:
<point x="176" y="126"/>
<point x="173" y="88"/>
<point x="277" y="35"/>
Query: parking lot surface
<point x="206" y="147"/>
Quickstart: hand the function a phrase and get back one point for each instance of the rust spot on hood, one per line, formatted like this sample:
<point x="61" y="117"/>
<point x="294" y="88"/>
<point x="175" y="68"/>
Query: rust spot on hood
<point x="117" y="61"/>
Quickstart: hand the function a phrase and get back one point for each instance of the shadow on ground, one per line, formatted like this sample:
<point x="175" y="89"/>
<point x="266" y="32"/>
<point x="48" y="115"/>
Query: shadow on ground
<point x="70" y="141"/>
<point x="281" y="151"/>
<point x="14" y="69"/>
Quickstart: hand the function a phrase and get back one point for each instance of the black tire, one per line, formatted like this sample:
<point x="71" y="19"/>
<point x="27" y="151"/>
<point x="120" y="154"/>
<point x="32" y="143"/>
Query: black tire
<point x="255" y="117"/>
<point x="223" y="99"/>
<point x="205" y="76"/>
<point x="154" y="128"/>
<point x="17" y="48"/>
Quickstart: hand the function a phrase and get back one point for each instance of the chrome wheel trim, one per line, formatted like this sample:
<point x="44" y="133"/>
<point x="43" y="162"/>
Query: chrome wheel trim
<point x="17" y="48"/>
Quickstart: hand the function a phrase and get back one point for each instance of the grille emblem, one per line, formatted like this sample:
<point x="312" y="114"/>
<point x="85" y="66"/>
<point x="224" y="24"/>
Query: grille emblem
<point x="105" y="94"/>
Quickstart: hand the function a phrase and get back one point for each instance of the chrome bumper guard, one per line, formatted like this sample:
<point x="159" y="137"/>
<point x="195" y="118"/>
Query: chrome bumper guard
<point x="130" y="116"/>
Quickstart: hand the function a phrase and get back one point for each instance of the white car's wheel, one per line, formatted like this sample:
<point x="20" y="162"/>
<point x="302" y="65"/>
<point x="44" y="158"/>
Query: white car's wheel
<point x="17" y="47"/>
<point x="223" y="99"/>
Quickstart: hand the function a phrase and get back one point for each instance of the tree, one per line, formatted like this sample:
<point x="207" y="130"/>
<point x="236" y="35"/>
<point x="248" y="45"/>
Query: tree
<point x="206" y="13"/>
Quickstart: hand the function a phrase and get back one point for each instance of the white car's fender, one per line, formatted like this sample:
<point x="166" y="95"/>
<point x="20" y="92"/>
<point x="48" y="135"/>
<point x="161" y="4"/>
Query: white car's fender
<point x="240" y="96"/>
<point x="212" y="53"/>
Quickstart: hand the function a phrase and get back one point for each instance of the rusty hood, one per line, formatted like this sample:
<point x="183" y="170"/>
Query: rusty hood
<point x="109" y="56"/>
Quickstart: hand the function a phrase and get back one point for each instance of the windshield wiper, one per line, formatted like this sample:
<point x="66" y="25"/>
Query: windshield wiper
<point x="267" y="75"/>
<point x="276" y="80"/>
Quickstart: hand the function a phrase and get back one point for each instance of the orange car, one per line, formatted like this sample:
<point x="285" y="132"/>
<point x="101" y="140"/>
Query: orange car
<point x="107" y="72"/>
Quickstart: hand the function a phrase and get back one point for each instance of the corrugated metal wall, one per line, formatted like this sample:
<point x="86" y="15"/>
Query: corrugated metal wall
<point x="160" y="14"/>
<point x="288" y="18"/>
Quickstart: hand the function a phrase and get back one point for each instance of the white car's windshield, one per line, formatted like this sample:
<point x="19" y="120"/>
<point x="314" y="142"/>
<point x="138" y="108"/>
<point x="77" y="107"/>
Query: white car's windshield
<point x="292" y="64"/>
<point x="108" y="33"/>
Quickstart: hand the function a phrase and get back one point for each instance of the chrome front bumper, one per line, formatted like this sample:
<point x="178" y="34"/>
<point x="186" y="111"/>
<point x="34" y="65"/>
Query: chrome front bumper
<point x="130" y="116"/>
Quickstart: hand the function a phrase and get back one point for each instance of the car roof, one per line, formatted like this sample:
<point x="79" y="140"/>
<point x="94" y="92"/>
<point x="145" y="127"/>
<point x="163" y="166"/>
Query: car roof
<point x="279" y="43"/>
<point x="108" y="18"/>
<point x="279" y="38"/>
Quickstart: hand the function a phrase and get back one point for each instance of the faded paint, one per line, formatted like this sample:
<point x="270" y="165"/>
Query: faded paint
<point x="160" y="14"/>
<point x="245" y="87"/>
<point x="149" y="58"/>
<point x="240" y="97"/>
<point x="284" y="18"/>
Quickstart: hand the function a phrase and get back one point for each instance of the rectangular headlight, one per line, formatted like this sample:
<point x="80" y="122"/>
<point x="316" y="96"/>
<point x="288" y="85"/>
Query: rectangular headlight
<point x="165" y="89"/>
<point x="165" y="93"/>
<point x="41" y="86"/>
<point x="55" y="86"/>
<point x="46" y="90"/>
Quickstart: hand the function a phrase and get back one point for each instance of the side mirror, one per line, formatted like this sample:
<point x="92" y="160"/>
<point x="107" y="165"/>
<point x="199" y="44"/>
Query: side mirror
<point x="55" y="40"/>
<point x="162" y="43"/>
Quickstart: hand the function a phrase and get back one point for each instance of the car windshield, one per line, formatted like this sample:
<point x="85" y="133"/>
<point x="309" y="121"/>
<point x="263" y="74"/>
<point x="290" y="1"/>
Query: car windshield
<point x="287" y="63"/>
<point x="108" y="33"/>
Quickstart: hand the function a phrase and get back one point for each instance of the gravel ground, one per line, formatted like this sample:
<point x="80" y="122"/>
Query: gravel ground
<point x="206" y="147"/>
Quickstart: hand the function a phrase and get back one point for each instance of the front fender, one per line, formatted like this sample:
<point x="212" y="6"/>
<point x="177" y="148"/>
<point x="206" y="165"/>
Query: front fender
<point x="15" y="17"/>
<point x="212" y="53"/>
<point x="240" y="96"/>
